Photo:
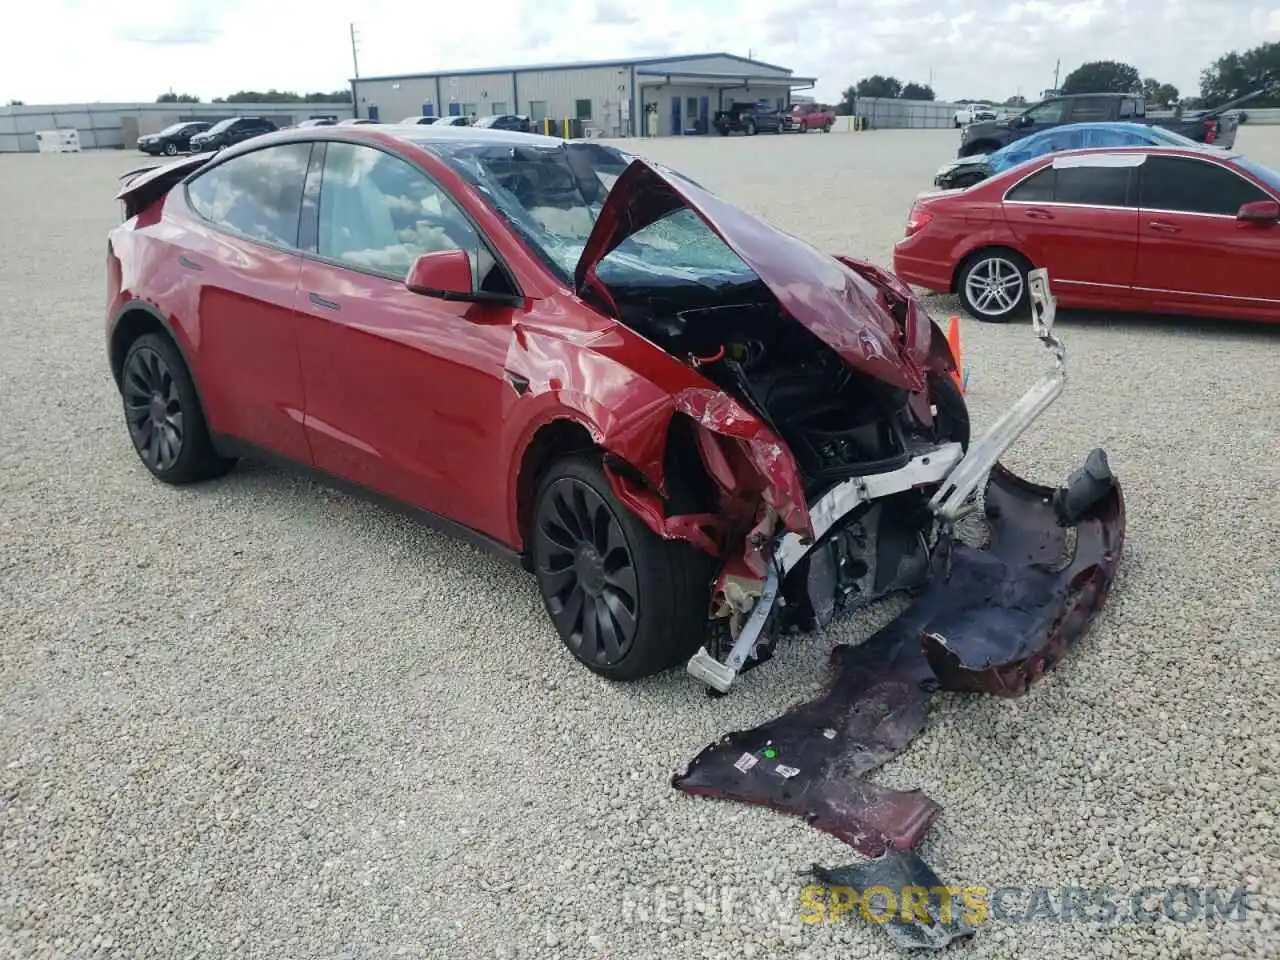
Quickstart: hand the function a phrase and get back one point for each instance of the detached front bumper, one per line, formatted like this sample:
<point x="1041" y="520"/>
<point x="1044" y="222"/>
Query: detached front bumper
<point x="956" y="478"/>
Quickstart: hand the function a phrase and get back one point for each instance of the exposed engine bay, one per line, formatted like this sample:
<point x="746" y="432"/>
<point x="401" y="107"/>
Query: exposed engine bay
<point x="837" y="422"/>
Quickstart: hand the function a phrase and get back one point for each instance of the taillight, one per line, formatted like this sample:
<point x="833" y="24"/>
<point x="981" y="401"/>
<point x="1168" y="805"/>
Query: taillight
<point x="917" y="219"/>
<point x="1210" y="131"/>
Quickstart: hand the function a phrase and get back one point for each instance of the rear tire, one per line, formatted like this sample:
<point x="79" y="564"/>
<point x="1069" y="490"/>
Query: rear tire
<point x="749" y="128"/>
<point x="171" y="149"/>
<point x="992" y="284"/>
<point x="826" y="127"/>
<point x="627" y="603"/>
<point x="163" y="414"/>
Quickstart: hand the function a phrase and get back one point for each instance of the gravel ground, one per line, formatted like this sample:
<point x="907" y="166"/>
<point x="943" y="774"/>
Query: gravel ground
<point x="260" y="718"/>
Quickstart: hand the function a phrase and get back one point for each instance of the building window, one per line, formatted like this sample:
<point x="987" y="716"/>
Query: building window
<point x="537" y="110"/>
<point x="582" y="109"/>
<point x="468" y="109"/>
<point x="498" y="107"/>
<point x="428" y="109"/>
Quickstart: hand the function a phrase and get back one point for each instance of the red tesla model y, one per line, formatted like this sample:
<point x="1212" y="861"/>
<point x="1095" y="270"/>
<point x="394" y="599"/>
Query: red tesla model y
<point x="568" y="354"/>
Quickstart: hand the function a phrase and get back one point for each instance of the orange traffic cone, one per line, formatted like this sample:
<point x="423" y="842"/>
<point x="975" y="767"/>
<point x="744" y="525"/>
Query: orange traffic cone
<point x="953" y="341"/>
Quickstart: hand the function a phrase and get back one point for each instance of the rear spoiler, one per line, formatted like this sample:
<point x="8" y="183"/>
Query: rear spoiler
<point x="143" y="186"/>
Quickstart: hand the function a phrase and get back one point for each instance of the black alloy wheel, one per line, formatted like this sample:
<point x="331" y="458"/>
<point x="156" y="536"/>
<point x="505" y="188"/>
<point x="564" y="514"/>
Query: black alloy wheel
<point x="153" y="410"/>
<point x="171" y="148"/>
<point x="163" y="413"/>
<point x="587" y="573"/>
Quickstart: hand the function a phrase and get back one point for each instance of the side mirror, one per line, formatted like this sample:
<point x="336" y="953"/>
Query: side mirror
<point x="1259" y="211"/>
<point x="445" y="274"/>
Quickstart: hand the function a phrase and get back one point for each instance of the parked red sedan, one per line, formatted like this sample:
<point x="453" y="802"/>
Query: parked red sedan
<point x="1158" y="229"/>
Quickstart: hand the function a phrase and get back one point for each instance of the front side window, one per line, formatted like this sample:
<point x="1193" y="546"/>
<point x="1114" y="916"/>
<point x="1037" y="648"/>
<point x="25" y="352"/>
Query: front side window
<point x="1054" y="111"/>
<point x="1183" y="185"/>
<point x="256" y="194"/>
<point x="379" y="213"/>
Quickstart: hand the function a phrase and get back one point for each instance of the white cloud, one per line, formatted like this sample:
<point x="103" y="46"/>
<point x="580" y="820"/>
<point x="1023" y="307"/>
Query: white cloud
<point x="78" y="50"/>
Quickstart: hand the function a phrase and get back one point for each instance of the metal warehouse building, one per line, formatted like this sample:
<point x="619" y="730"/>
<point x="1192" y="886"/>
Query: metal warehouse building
<point x="658" y="96"/>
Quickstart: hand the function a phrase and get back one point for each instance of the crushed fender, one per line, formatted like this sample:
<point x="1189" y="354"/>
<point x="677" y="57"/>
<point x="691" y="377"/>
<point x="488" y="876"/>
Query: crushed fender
<point x="990" y="620"/>
<point x="903" y="894"/>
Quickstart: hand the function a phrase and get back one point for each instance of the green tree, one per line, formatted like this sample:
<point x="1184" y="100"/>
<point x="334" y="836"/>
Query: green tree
<point x="1102" y="76"/>
<point x="16" y="103"/>
<point x="172" y="97"/>
<point x="878" y="86"/>
<point x="1236" y="74"/>
<point x="917" y="91"/>
<point x="284" y="96"/>
<point x="1159" y="93"/>
<point x="1016" y="101"/>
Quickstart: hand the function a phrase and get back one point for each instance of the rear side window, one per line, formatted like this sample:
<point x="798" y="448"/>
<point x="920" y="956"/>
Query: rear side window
<point x="1037" y="188"/>
<point x="1094" y="186"/>
<point x="1183" y="185"/>
<point x="1084" y="111"/>
<point x="257" y="194"/>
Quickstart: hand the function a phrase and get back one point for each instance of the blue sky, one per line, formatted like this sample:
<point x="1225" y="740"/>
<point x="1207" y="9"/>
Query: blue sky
<point x="81" y="50"/>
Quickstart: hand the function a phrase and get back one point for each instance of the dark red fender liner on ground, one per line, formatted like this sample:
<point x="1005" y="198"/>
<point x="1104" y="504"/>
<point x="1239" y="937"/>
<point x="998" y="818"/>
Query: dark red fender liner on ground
<point x="990" y="620"/>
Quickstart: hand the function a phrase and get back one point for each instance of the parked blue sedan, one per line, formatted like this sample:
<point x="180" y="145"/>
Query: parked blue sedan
<point x="967" y="171"/>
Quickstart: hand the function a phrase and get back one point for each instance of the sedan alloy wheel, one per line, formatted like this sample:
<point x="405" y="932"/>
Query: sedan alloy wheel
<point x="993" y="286"/>
<point x="153" y="409"/>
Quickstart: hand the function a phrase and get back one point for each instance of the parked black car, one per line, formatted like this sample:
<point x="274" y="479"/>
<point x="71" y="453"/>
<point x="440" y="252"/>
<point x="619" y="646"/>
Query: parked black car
<point x="751" y="118"/>
<point x="506" y="121"/>
<point x="1215" y="127"/>
<point x="173" y="139"/>
<point x="318" y="122"/>
<point x="233" y="130"/>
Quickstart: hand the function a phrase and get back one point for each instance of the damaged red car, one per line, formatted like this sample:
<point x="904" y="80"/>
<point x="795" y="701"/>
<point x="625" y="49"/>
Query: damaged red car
<point x="684" y="422"/>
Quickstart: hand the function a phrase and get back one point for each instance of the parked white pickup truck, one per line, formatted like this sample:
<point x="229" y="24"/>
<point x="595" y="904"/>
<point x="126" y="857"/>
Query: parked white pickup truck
<point x="973" y="112"/>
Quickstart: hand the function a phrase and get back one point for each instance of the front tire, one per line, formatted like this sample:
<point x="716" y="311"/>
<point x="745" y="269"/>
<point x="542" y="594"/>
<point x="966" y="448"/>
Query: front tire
<point x="163" y="414"/>
<point x="627" y="603"/>
<point x="171" y="149"/>
<point x="992" y="285"/>
<point x="749" y="128"/>
<point x="826" y="127"/>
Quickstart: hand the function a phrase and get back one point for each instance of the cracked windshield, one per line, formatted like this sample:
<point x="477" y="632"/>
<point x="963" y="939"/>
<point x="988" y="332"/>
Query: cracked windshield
<point x="552" y="196"/>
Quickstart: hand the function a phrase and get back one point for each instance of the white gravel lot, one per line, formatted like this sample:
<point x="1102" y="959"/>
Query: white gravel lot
<point x="259" y="718"/>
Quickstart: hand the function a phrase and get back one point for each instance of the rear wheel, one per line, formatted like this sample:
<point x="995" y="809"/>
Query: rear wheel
<point x="171" y="149"/>
<point x="992" y="285"/>
<point x="163" y="414"/>
<point x="749" y="128"/>
<point x="626" y="602"/>
<point x="826" y="127"/>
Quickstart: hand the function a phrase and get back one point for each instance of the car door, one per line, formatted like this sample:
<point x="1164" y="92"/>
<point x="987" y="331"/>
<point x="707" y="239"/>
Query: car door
<point x="1192" y="250"/>
<point x="404" y="391"/>
<point x="1042" y="116"/>
<point x="241" y="259"/>
<point x="1076" y="217"/>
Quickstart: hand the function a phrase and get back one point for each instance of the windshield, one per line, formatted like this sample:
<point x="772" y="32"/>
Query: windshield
<point x="178" y="128"/>
<point x="1265" y="174"/>
<point x="222" y="125"/>
<point x="551" y="196"/>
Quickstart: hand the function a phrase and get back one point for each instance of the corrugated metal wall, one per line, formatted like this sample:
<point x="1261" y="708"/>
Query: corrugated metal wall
<point x="476" y="93"/>
<point x="605" y="87"/>
<point x="884" y="113"/>
<point x="114" y="125"/>
<point x="725" y="65"/>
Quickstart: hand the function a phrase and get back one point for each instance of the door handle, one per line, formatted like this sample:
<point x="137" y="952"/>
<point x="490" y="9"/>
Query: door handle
<point x="320" y="301"/>
<point x="1164" y="227"/>
<point x="189" y="263"/>
<point x="1039" y="215"/>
